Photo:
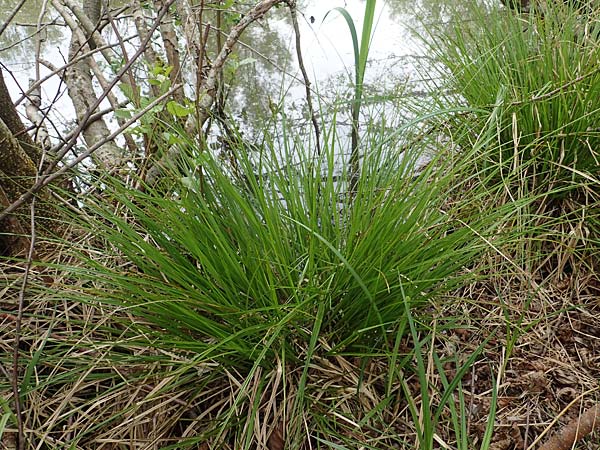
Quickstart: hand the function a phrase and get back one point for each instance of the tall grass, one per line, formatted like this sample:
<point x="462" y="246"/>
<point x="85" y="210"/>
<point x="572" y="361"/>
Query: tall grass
<point x="541" y="68"/>
<point x="270" y="265"/>
<point x="361" y="54"/>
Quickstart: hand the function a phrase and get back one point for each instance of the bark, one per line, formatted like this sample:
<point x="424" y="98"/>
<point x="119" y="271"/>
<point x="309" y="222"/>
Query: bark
<point x="82" y="27"/>
<point x="93" y="9"/>
<point x="13" y="238"/>
<point x="18" y="170"/>
<point x="80" y="85"/>
<point x="169" y="37"/>
<point x="10" y="117"/>
<point x="20" y="160"/>
<point x="17" y="175"/>
<point x="195" y="38"/>
<point x="36" y="117"/>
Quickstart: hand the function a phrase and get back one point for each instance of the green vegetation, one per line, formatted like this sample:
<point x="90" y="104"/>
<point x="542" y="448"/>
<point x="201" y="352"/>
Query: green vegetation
<point x="540" y="72"/>
<point x="270" y="261"/>
<point x="361" y="54"/>
<point x="250" y="300"/>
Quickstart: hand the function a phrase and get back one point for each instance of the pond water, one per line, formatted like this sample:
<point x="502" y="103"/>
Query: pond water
<point x="270" y="70"/>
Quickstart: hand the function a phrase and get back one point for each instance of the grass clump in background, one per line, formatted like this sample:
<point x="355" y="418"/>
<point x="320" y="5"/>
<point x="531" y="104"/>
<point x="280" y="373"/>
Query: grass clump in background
<point x="540" y="70"/>
<point x="533" y="83"/>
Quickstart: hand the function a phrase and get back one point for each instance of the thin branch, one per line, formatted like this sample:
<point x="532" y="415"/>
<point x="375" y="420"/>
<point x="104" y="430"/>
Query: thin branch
<point x="48" y="178"/>
<point x="18" y="42"/>
<point x="121" y="42"/>
<point x="11" y="16"/>
<point x="311" y="111"/>
<point x="58" y="70"/>
<point x="95" y="116"/>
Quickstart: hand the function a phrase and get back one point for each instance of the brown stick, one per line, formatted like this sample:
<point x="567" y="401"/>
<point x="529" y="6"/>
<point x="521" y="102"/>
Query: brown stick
<point x="575" y="430"/>
<point x="19" y="321"/>
<point x="311" y="111"/>
<point x="209" y="87"/>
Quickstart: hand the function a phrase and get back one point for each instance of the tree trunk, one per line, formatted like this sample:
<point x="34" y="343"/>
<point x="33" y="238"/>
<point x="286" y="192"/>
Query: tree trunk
<point x="19" y="160"/>
<point x="10" y="117"/>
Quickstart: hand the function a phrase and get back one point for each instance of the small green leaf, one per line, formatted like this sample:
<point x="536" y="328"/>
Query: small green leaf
<point x="177" y="109"/>
<point x="128" y="91"/>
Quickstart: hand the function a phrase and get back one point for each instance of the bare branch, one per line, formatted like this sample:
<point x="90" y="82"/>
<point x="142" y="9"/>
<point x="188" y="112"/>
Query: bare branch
<point x="11" y="16"/>
<point x="208" y="93"/>
<point x="575" y="430"/>
<point x="311" y="111"/>
<point x="57" y="70"/>
<point x="121" y="42"/>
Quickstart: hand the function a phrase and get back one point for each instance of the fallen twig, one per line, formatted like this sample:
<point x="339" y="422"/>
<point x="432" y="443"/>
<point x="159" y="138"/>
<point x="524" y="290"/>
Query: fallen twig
<point x="575" y="430"/>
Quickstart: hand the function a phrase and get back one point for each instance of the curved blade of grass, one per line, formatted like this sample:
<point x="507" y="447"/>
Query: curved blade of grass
<point x="3" y="421"/>
<point x="361" y="54"/>
<point x="350" y="22"/>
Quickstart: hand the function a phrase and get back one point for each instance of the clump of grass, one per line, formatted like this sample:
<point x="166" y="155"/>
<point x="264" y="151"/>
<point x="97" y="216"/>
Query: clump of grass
<point x="532" y="83"/>
<point x="268" y="264"/>
<point x="541" y="70"/>
<point x="249" y="255"/>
